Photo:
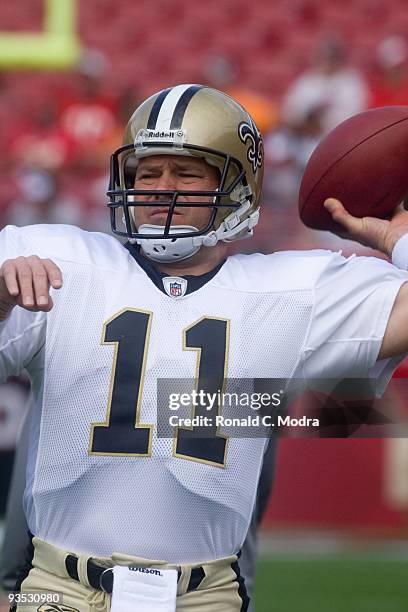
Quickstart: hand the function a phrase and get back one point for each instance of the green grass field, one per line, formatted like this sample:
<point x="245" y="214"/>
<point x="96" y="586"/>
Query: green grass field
<point x="332" y="584"/>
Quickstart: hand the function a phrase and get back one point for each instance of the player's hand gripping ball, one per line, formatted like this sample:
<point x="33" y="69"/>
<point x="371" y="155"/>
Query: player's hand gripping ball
<point x="363" y="163"/>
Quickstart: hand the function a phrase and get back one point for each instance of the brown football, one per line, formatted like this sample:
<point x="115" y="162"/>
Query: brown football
<point x="363" y="162"/>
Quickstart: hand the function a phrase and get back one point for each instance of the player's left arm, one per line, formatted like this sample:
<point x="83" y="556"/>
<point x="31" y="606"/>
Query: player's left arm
<point x="380" y="234"/>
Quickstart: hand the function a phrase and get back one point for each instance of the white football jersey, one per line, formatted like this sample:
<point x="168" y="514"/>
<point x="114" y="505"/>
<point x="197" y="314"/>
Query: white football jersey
<point x="99" y="479"/>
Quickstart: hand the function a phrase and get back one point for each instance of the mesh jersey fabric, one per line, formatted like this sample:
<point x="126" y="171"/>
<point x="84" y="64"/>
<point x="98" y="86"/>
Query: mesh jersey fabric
<point x="311" y="314"/>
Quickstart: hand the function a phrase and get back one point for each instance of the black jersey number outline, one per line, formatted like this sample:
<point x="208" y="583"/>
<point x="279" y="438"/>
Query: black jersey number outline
<point x="121" y="434"/>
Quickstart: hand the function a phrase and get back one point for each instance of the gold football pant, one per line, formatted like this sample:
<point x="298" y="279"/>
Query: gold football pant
<point x="215" y="586"/>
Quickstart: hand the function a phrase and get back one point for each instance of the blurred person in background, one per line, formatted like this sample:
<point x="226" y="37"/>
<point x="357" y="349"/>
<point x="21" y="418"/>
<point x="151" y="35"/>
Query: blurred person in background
<point x="13" y="401"/>
<point x="331" y="82"/>
<point x="40" y="154"/>
<point x="88" y="113"/>
<point x="223" y="73"/>
<point x="390" y="83"/>
<point x="287" y="151"/>
<point x="10" y="106"/>
<point x="40" y="200"/>
<point x="16" y="542"/>
<point x="39" y="139"/>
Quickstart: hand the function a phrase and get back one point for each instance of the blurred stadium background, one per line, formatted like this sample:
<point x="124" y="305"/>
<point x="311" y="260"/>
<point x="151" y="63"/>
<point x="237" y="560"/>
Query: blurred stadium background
<point x="335" y="533"/>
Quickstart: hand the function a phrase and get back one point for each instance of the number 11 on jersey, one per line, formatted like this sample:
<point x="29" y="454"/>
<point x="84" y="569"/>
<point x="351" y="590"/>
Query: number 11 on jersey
<point x="122" y="434"/>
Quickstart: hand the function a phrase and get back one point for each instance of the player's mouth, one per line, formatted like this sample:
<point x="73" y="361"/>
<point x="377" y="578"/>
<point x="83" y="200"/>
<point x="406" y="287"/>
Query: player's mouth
<point x="162" y="212"/>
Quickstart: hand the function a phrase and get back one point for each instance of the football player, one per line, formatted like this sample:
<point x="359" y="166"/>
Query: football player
<point x="122" y="516"/>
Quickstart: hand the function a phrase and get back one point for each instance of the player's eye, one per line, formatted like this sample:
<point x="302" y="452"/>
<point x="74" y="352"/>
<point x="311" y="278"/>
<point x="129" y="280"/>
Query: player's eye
<point x="145" y="176"/>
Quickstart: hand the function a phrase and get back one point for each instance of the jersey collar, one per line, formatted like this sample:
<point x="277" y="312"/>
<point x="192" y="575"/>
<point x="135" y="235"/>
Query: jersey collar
<point x="156" y="276"/>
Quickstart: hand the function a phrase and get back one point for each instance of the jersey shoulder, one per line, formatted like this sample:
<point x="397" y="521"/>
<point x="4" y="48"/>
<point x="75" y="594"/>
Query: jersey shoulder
<point x="278" y="272"/>
<point x="63" y="243"/>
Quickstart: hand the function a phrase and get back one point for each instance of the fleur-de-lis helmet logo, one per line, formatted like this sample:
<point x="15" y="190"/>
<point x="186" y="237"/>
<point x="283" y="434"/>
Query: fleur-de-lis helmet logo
<point x="248" y="132"/>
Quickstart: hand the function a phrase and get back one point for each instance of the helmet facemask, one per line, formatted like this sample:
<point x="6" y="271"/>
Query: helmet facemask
<point x="122" y="194"/>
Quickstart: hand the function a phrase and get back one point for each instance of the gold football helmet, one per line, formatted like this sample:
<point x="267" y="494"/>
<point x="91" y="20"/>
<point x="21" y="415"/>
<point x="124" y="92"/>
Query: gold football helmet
<point x="199" y="121"/>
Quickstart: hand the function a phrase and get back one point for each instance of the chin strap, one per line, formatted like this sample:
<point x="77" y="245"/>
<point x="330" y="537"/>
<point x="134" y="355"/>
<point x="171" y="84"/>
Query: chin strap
<point x="176" y="249"/>
<point x="168" y="249"/>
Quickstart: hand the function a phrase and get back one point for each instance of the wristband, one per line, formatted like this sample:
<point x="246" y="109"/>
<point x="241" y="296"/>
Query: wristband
<point x="399" y="256"/>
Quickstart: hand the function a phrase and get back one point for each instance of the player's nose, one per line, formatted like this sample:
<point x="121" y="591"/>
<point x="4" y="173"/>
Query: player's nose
<point x="166" y="182"/>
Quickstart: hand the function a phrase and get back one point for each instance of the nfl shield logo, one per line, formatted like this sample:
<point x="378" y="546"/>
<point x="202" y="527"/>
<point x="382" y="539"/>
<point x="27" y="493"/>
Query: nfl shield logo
<point x="175" y="286"/>
<point x="175" y="289"/>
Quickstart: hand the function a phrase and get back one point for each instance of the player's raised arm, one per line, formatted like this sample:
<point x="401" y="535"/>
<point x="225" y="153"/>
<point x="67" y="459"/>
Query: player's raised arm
<point x="26" y="281"/>
<point x="382" y="235"/>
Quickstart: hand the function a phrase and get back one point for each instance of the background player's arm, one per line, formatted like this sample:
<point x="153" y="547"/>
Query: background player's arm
<point x="26" y="281"/>
<point x="380" y="234"/>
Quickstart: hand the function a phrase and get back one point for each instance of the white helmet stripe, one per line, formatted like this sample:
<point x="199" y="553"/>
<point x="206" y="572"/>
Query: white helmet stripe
<point x="164" y="119"/>
<point x="151" y="122"/>
<point x="181" y="106"/>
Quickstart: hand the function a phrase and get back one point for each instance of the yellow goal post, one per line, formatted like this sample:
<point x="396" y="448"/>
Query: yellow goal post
<point x="57" y="47"/>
